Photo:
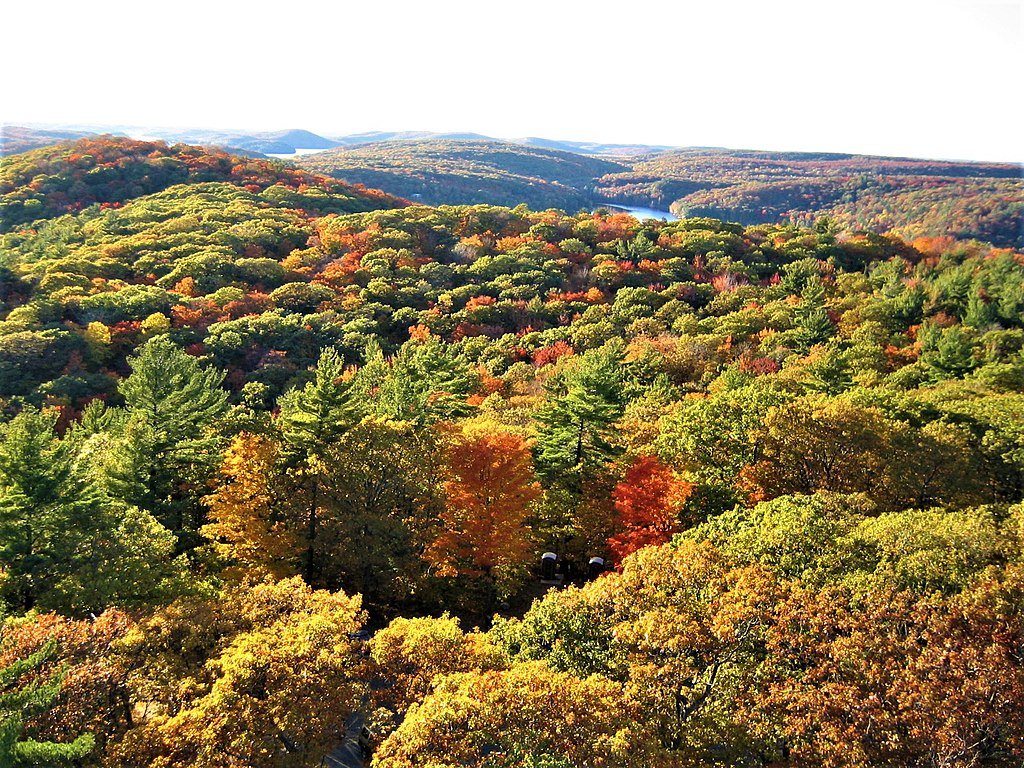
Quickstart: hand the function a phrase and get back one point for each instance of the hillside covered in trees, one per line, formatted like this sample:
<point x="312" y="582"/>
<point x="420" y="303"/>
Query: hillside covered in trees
<point x="110" y="171"/>
<point x="907" y="197"/>
<point x="280" y="456"/>
<point x="461" y="171"/>
<point x="910" y="198"/>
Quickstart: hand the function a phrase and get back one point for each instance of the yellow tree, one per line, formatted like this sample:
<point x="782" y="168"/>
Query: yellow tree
<point x="278" y="693"/>
<point x="816" y="443"/>
<point x="528" y="715"/>
<point x="687" y="627"/>
<point x="247" y="520"/>
<point x="411" y="654"/>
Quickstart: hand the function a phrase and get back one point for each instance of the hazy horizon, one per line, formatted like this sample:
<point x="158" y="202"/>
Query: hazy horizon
<point x="902" y="78"/>
<point x="151" y="132"/>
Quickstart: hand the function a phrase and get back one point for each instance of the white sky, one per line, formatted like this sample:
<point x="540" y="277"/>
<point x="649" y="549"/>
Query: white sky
<point x="935" y="78"/>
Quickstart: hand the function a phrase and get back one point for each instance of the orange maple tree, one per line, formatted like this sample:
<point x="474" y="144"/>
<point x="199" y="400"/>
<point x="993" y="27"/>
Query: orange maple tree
<point x="489" y="488"/>
<point x="647" y="504"/>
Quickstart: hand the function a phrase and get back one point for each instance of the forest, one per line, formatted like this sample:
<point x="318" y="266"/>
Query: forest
<point x="467" y="171"/>
<point x="283" y="463"/>
<point x="906" y="197"/>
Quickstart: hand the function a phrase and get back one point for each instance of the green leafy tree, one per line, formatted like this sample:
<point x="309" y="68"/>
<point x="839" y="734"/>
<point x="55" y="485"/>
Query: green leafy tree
<point x="378" y="498"/>
<point x="715" y="437"/>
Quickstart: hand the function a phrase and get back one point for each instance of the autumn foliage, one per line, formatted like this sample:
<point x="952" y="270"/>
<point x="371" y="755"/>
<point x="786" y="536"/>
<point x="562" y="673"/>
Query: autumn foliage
<point x="279" y="456"/>
<point x="489" y="489"/>
<point x="648" y="501"/>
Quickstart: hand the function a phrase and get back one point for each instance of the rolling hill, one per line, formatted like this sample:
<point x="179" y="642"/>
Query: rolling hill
<point x="110" y="171"/>
<point x="593" y="148"/>
<point x="15" y="139"/>
<point x="912" y="197"/>
<point x="437" y="171"/>
<point x="907" y="196"/>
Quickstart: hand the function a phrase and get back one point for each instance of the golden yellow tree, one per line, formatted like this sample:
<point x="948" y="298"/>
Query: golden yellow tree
<point x="523" y="716"/>
<point x="277" y="694"/>
<point x="247" y="517"/>
<point x="411" y="654"/>
<point x="687" y="626"/>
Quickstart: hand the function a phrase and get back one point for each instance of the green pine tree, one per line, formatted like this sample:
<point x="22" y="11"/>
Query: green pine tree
<point x="812" y="321"/>
<point x="979" y="313"/>
<point x="64" y="544"/>
<point x="171" y="446"/>
<point x="18" y="703"/>
<point x="422" y="384"/>
<point x="949" y="352"/>
<point x="829" y="370"/>
<point x="312" y="420"/>
<point x="576" y="422"/>
<point x="314" y="417"/>
<point x="49" y="508"/>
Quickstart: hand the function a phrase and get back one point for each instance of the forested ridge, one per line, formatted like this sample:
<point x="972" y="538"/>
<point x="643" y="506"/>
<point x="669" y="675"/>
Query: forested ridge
<point x="276" y="451"/>
<point x="903" y="196"/>
<point x="462" y="171"/>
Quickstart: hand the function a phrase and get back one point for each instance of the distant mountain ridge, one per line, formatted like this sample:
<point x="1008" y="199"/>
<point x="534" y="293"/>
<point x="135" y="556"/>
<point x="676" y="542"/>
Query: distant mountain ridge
<point x="15" y="139"/>
<point x="371" y="137"/>
<point x="594" y="148"/>
<point x="910" y="197"/>
<point x="285" y="142"/>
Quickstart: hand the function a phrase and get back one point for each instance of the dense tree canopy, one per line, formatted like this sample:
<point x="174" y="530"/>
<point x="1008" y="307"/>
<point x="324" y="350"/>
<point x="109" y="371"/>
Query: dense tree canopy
<point x="279" y="459"/>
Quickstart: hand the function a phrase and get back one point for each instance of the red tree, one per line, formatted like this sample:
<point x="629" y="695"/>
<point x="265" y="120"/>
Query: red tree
<point x="647" y="504"/>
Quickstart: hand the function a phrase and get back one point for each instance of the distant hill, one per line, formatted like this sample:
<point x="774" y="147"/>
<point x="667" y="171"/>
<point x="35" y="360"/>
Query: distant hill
<point x="270" y="142"/>
<point x="111" y="170"/>
<point x="372" y="137"/>
<point x="301" y="139"/>
<point x="16" y="138"/>
<point x="593" y="148"/>
<point x="908" y="196"/>
<point x="911" y="197"/>
<point x="452" y="171"/>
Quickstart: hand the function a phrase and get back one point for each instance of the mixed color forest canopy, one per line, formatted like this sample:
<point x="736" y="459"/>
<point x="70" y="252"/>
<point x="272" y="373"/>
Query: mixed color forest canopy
<point x="907" y="197"/>
<point x="280" y="456"/>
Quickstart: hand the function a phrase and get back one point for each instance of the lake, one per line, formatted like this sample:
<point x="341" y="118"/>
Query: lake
<point x="296" y="153"/>
<point x="643" y="213"/>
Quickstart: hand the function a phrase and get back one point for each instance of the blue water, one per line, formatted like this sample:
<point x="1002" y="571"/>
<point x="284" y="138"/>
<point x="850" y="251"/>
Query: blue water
<point x="643" y="213"/>
<point x="296" y="153"/>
